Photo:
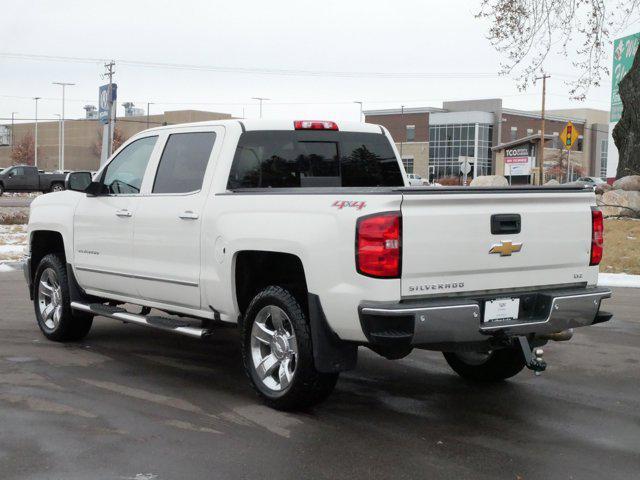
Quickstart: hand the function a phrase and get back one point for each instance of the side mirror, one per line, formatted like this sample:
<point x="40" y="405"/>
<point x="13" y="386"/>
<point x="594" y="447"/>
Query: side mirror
<point x="78" y="181"/>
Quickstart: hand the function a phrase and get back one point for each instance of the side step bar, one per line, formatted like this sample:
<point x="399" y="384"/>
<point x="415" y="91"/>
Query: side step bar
<point x="159" y="323"/>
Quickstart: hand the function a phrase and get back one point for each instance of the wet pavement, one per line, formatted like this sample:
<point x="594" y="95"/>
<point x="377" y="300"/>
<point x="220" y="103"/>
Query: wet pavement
<point x="130" y="403"/>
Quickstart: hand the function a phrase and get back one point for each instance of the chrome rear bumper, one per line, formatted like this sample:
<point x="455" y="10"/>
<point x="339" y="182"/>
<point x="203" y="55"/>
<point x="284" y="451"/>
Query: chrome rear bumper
<point x="437" y="323"/>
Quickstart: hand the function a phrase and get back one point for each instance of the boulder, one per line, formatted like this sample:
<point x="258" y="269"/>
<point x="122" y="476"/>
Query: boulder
<point x="603" y="187"/>
<point x="621" y="203"/>
<point x="630" y="183"/>
<point x="490" y="181"/>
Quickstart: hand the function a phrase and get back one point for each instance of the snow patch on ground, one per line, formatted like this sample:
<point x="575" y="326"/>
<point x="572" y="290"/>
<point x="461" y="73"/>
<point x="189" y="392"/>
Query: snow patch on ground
<point x="13" y="239"/>
<point x="618" y="280"/>
<point x="5" y="268"/>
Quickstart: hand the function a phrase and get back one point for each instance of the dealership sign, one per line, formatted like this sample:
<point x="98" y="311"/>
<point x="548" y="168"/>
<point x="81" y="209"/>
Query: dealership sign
<point x="624" y="51"/>
<point x="517" y="160"/>
<point x="106" y="98"/>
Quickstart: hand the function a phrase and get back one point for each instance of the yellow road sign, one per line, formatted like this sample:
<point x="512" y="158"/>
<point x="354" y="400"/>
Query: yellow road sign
<point x="569" y="136"/>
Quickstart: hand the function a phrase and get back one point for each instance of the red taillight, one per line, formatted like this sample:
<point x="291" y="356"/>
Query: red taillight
<point x="315" y="125"/>
<point x="378" y="245"/>
<point x="597" y="236"/>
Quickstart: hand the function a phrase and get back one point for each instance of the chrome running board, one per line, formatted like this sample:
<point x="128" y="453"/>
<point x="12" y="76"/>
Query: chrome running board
<point x="159" y="323"/>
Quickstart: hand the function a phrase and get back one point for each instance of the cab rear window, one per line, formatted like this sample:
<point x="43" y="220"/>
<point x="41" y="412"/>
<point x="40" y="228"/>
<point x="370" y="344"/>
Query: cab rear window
<point x="290" y="159"/>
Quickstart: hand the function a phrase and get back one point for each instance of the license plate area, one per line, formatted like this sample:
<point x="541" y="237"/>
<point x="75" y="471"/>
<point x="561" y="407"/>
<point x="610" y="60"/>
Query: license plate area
<point x="501" y="309"/>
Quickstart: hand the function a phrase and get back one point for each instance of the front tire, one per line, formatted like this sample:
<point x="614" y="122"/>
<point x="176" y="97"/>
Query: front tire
<point x="1" y="189"/>
<point x="278" y="355"/>
<point x="52" y="303"/>
<point x="492" y="366"/>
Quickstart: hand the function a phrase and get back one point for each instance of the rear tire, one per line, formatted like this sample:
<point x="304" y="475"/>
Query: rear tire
<point x="278" y="355"/>
<point x="493" y="366"/>
<point x="57" y="187"/>
<point x="52" y="303"/>
<point x="1" y="189"/>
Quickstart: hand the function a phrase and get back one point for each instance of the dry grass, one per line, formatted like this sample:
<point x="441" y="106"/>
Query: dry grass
<point x="621" y="246"/>
<point x="14" y="215"/>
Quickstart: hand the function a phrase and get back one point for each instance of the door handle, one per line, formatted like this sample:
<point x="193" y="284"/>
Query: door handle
<point x="188" y="215"/>
<point x="123" y="213"/>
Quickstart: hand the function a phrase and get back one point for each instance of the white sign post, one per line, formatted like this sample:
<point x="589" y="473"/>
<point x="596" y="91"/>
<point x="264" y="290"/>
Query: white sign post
<point x="466" y="164"/>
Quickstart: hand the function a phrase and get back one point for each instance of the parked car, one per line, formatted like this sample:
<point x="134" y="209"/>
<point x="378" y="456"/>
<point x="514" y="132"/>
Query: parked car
<point x="591" y="181"/>
<point x="306" y="236"/>
<point x="27" y="178"/>
<point x="415" y="180"/>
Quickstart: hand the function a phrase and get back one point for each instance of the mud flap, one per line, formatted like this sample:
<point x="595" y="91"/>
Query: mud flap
<point x="330" y="354"/>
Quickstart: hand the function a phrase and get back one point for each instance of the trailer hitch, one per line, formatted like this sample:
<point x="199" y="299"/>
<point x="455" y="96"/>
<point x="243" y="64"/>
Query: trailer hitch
<point x="532" y="357"/>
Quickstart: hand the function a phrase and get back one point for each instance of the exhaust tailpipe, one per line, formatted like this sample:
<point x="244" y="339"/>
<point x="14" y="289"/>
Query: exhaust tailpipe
<point x="562" y="336"/>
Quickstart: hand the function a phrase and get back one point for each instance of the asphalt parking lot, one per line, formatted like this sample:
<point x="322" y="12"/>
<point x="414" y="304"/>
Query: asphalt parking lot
<point x="129" y="403"/>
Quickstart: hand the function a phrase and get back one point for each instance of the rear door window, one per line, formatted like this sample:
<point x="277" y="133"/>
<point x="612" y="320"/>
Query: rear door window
<point x="286" y="159"/>
<point x="184" y="162"/>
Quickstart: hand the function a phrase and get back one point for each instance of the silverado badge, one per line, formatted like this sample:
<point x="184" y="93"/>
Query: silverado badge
<point x="505" y="248"/>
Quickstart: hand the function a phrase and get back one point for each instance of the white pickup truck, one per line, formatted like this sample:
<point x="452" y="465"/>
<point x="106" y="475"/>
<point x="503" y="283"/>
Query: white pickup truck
<point x="306" y="235"/>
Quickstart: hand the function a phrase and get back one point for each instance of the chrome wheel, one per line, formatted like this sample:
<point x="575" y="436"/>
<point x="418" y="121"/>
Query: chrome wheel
<point x="57" y="188"/>
<point x="274" y="349"/>
<point x="50" y="298"/>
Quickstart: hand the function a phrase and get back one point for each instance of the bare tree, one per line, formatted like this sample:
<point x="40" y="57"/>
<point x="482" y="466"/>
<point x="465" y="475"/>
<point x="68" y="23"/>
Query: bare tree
<point x="527" y="31"/>
<point x="626" y="133"/>
<point x="118" y="139"/>
<point x="23" y="152"/>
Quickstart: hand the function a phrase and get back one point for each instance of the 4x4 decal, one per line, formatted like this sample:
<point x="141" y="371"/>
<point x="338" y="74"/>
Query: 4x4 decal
<point x="340" y="204"/>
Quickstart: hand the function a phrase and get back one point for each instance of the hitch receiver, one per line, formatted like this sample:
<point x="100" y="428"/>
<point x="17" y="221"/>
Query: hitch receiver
<point x="533" y="359"/>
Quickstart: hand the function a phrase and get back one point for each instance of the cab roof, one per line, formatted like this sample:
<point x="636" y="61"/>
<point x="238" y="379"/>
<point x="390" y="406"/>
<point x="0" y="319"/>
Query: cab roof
<point x="280" y="124"/>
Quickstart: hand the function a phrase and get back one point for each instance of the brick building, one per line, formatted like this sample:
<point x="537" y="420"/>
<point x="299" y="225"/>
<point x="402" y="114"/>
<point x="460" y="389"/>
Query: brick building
<point x="433" y="140"/>
<point x="82" y="136"/>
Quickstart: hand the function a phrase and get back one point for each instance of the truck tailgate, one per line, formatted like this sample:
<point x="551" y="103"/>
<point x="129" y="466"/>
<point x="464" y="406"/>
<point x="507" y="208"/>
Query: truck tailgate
<point x="447" y="239"/>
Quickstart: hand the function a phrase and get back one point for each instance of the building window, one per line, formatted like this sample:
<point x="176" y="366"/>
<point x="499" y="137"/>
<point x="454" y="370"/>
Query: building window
<point x="529" y="131"/>
<point x="514" y="133"/>
<point x="556" y="140"/>
<point x="604" y="152"/>
<point x="411" y="133"/>
<point x="579" y="144"/>
<point x="447" y="143"/>
<point x="408" y="164"/>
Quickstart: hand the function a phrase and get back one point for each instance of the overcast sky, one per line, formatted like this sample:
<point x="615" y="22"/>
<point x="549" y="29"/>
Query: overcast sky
<point x="327" y="35"/>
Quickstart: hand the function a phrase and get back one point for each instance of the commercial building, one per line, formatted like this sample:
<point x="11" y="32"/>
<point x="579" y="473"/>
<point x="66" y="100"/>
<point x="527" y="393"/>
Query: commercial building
<point x="83" y="137"/>
<point x="433" y="142"/>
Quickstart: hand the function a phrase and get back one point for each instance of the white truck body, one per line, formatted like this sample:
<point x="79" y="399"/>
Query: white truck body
<point x="179" y="252"/>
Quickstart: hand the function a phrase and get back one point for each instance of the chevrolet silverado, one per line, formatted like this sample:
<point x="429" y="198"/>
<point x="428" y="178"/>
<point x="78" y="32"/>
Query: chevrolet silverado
<point x="306" y="235"/>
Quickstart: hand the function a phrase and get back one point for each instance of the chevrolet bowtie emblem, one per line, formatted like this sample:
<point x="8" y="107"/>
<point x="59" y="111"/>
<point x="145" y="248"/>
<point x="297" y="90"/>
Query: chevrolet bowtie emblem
<point x="506" y="248"/>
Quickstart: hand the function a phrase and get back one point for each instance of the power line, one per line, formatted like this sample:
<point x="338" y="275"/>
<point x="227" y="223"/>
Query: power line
<point x="251" y="70"/>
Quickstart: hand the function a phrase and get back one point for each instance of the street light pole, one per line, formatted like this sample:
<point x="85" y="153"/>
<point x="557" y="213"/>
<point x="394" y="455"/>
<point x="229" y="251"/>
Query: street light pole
<point x="148" y="103"/>
<point x="541" y="153"/>
<point x="360" y="103"/>
<point x="260" y="99"/>
<point x="12" y="117"/>
<point x="35" y="141"/>
<point x="59" y="142"/>
<point x="63" y="85"/>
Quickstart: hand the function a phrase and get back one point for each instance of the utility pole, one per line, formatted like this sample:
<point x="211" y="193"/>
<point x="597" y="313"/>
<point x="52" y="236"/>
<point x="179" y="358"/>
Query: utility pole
<point x="35" y="141"/>
<point x="109" y="73"/>
<point x="12" y="118"/>
<point x="148" y="103"/>
<point x="63" y="85"/>
<point x="260" y="99"/>
<point x="402" y="121"/>
<point x="360" y="103"/>
<point x="541" y="153"/>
